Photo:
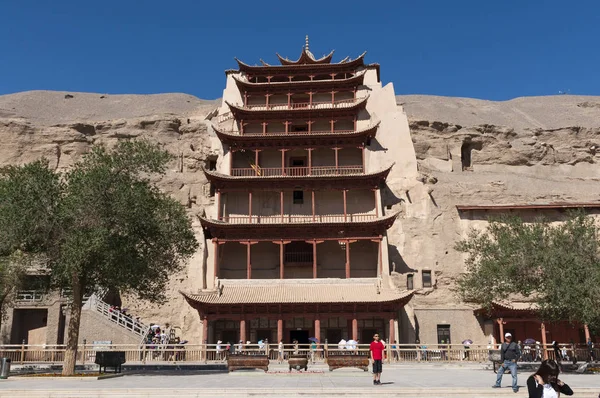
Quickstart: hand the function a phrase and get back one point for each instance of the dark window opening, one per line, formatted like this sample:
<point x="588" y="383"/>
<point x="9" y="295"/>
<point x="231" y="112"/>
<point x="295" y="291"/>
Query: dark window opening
<point x="212" y="165"/>
<point x="211" y="192"/>
<point x="298" y="197"/>
<point x="466" y="154"/>
<point x="298" y="252"/>
<point x="443" y="334"/>
<point x="299" y="129"/>
<point x="410" y="282"/>
<point x="388" y="207"/>
<point x="426" y="278"/>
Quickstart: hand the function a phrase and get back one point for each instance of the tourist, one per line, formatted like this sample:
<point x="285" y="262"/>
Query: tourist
<point x="557" y="356"/>
<point x="377" y="348"/>
<point x="590" y="346"/>
<point x="219" y="350"/>
<point x="545" y="382"/>
<point x="509" y="353"/>
<point x="342" y="344"/>
<point x="240" y="347"/>
<point x="538" y="351"/>
<point x="313" y="350"/>
<point x="280" y="352"/>
<point x="395" y="351"/>
<point x="418" y="349"/>
<point x="296" y="347"/>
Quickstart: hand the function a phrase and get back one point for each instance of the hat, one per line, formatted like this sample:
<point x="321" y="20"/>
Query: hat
<point x="219" y="342"/>
<point x="508" y="335"/>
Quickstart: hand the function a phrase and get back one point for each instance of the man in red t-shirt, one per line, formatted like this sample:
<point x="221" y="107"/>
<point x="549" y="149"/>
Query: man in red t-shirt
<point x="377" y="352"/>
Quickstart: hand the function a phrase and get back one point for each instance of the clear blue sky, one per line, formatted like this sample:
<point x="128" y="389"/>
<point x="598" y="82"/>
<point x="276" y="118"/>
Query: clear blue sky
<point x="492" y="49"/>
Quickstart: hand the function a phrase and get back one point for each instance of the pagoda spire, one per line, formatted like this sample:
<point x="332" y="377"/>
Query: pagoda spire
<point x="306" y="46"/>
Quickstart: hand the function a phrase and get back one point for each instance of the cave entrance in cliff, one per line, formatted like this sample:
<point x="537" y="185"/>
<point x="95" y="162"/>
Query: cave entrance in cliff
<point x="466" y="154"/>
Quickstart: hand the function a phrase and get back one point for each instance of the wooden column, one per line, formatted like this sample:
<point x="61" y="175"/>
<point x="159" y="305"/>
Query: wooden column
<point x="354" y="328"/>
<point x="283" y="161"/>
<point x="289" y="95"/>
<point x="245" y="98"/>
<point x="205" y="329"/>
<point x="314" y="243"/>
<point x="313" y="204"/>
<point x="231" y="162"/>
<point x="216" y="259"/>
<point x="543" y="330"/>
<point x="380" y="262"/>
<point x="243" y="330"/>
<point x="241" y="126"/>
<point x="347" y="259"/>
<point x="392" y="335"/>
<point x="337" y="163"/>
<point x="345" y="207"/>
<point x="332" y="123"/>
<point x="586" y="330"/>
<point x="267" y="100"/>
<point x="281" y="204"/>
<point x="310" y="123"/>
<point x="354" y="123"/>
<point x="256" y="151"/>
<point x="310" y="95"/>
<point x="501" y="327"/>
<point x="318" y="329"/>
<point x="362" y="150"/>
<point x="250" y="206"/>
<point x="287" y="126"/>
<point x="281" y="270"/>
<point x="376" y="197"/>
<point x="264" y="128"/>
<point x="279" y="330"/>
<point x="310" y="160"/>
<point x="248" y="262"/>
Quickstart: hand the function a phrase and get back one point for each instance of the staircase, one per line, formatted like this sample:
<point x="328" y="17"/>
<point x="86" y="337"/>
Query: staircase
<point x="97" y="305"/>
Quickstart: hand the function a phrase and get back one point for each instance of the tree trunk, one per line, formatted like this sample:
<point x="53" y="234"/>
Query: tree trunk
<point x="73" y="331"/>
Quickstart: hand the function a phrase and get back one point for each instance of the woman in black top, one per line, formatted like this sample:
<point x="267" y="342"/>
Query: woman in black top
<point x="546" y="378"/>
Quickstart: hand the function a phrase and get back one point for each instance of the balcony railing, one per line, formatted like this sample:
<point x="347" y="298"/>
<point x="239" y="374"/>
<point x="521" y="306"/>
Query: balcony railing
<point x="30" y="296"/>
<point x="296" y="171"/>
<point x="289" y="219"/>
<point x="306" y="132"/>
<point x="305" y="105"/>
<point x="298" y="257"/>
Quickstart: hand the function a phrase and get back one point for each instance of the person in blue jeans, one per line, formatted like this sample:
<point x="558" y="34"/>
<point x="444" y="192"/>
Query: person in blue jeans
<point x="509" y="353"/>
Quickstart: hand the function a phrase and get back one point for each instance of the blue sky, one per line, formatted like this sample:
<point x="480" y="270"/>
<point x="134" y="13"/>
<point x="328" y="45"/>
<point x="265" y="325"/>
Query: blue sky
<point x="484" y="49"/>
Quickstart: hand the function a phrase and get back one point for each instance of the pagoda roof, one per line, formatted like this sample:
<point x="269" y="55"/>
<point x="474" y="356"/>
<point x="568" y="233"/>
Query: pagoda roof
<point x="306" y="58"/>
<point x="310" y="182"/>
<point x="287" y="291"/>
<point x="283" y="111"/>
<point x="245" y="85"/>
<point x="265" y="69"/>
<point x="290" y="140"/>
<point x="331" y="230"/>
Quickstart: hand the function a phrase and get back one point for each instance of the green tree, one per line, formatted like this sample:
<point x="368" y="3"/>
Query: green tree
<point x="556" y="265"/>
<point x="109" y="227"/>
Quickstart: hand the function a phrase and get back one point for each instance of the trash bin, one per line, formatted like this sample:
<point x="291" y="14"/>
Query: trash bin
<point x="4" y="368"/>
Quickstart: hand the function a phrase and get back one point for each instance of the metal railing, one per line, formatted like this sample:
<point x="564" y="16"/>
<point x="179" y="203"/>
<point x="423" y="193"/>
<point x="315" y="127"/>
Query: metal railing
<point x="198" y="353"/>
<point x="30" y="296"/>
<point x="293" y="219"/>
<point x="306" y="105"/>
<point x="117" y="317"/>
<point x="296" y="171"/>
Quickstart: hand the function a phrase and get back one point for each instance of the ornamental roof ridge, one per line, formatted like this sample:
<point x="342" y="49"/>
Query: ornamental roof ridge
<point x="346" y="60"/>
<point x="358" y="75"/>
<point x="306" y="58"/>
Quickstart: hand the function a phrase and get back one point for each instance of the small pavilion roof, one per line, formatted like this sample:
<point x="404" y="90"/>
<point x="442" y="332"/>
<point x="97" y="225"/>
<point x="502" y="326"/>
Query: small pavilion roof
<point x="306" y="58"/>
<point x="289" y="291"/>
<point x="282" y="140"/>
<point x="277" y="112"/>
<point x="527" y="206"/>
<point x="245" y="85"/>
<point x="265" y="69"/>
<point x="312" y="182"/>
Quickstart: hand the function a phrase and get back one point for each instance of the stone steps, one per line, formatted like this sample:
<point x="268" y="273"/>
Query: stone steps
<point x="379" y="391"/>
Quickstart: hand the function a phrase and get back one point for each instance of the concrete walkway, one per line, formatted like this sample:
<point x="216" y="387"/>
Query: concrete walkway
<point x="405" y="382"/>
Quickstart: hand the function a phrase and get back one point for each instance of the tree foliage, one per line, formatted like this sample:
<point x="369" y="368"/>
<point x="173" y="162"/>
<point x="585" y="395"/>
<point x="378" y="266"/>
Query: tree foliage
<point x="556" y="265"/>
<point x="103" y="224"/>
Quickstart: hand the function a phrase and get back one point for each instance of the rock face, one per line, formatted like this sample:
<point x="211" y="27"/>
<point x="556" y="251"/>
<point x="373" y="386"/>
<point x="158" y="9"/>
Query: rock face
<point x="527" y="150"/>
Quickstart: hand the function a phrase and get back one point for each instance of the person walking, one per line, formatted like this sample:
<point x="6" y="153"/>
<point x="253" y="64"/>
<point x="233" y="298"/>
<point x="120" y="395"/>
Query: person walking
<point x="545" y="382"/>
<point x="377" y="349"/>
<point x="557" y="356"/>
<point x="509" y="353"/>
<point x="590" y="346"/>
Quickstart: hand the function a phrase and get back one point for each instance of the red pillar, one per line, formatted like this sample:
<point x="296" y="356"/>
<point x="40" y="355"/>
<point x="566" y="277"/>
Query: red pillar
<point x="543" y="330"/>
<point x="376" y="203"/>
<point x="256" y="161"/>
<point x="354" y="329"/>
<point x="250" y="206"/>
<point x="243" y="330"/>
<point x="392" y="335"/>
<point x="347" y="259"/>
<point x="345" y="212"/>
<point x="283" y="159"/>
<point x="310" y="161"/>
<point x="501" y="327"/>
<point x="318" y="329"/>
<point x="362" y="150"/>
<point x="336" y="159"/>
<point x="219" y="216"/>
<point x="279" y="330"/>
<point x="313" y="204"/>
<point x="281" y="204"/>
<point x="248" y="263"/>
<point x="281" y="271"/>
<point x="216" y="259"/>
<point x="586" y="330"/>
<point x="380" y="265"/>
<point x="314" y="259"/>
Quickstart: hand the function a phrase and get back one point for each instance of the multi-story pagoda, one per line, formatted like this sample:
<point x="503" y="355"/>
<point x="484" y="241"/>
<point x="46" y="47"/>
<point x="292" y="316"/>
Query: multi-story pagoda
<point x="297" y="238"/>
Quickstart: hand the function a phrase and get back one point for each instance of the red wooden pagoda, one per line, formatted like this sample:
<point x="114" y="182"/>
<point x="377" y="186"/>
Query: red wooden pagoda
<point x="296" y="238"/>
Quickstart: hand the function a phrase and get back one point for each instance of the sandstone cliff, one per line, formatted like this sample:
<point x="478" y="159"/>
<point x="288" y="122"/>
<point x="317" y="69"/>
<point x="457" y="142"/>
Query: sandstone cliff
<point x="468" y="151"/>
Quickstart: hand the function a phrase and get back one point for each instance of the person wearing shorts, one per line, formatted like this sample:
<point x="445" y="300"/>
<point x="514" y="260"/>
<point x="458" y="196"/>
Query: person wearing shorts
<point x="377" y="349"/>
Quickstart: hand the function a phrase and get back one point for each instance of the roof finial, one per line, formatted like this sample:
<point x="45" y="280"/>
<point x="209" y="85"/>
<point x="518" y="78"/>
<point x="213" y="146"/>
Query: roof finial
<point x="306" y="46"/>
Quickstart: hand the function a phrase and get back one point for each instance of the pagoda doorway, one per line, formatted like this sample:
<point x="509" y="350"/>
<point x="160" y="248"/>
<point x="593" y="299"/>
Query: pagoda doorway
<point x="300" y="335"/>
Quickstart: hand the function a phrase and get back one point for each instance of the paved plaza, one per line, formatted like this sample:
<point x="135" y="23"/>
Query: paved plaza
<point x="442" y="381"/>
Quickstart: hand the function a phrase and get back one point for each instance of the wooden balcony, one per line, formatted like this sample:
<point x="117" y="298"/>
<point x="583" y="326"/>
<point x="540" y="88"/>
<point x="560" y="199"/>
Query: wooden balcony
<point x="294" y="219"/>
<point x="305" y="105"/>
<point x="297" y="171"/>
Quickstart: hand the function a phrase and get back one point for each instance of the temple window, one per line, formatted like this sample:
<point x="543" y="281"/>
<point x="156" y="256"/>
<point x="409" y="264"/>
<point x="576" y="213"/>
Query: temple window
<point x="410" y="282"/>
<point x="426" y="278"/>
<point x="298" y="197"/>
<point x="211" y="164"/>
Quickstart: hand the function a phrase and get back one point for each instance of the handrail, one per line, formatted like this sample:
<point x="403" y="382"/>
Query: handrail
<point x="297" y="171"/>
<point x="306" y="105"/>
<point x="118" y="317"/>
<point x="296" y="219"/>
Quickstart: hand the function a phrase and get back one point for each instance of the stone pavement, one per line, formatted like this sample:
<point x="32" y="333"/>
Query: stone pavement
<point x="402" y="381"/>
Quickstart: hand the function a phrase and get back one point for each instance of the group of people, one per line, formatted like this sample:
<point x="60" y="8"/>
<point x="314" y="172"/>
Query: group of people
<point x="122" y="316"/>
